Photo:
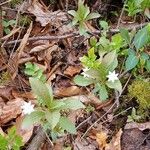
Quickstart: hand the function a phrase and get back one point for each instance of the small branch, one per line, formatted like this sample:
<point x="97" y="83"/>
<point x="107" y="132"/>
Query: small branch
<point x="75" y="34"/>
<point x="5" y="2"/>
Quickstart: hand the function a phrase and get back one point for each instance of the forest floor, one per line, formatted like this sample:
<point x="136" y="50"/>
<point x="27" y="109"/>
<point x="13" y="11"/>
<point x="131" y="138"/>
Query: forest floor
<point x="37" y="31"/>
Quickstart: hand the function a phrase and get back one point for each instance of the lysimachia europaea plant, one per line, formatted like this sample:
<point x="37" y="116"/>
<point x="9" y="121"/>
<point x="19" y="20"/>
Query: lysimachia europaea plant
<point x="100" y="72"/>
<point x="10" y="141"/>
<point x="136" y="53"/>
<point x="49" y="112"/>
<point x="81" y="16"/>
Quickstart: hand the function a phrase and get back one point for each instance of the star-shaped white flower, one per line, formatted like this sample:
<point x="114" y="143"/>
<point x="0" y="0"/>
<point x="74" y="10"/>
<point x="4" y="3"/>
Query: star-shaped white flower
<point x="27" y="108"/>
<point x="112" y="76"/>
<point x="84" y="72"/>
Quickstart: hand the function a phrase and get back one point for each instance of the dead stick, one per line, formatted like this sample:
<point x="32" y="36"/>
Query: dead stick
<point x="59" y="37"/>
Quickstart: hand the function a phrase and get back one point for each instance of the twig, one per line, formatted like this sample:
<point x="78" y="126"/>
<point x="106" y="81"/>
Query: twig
<point x="98" y="120"/>
<point x="45" y="38"/>
<point x="5" y="2"/>
<point x="83" y="122"/>
<point x="122" y="11"/>
<point x="75" y="34"/>
<point x="105" y="120"/>
<point x="117" y="95"/>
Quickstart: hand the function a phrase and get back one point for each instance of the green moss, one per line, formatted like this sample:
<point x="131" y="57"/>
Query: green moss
<point x="4" y="78"/>
<point x="24" y="20"/>
<point x="140" y="90"/>
<point x="13" y="3"/>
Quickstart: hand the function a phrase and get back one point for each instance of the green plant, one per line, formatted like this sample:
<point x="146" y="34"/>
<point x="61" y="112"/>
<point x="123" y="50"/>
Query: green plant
<point x="10" y="141"/>
<point x="51" y="113"/>
<point x="4" y="78"/>
<point x="24" y="20"/>
<point x="140" y="91"/>
<point x="133" y="117"/>
<point x="137" y="6"/>
<point x="13" y="3"/>
<point x="81" y="16"/>
<point x="7" y="24"/>
<point x="104" y="44"/>
<point x="136" y="56"/>
<point x="97" y="70"/>
<point x="35" y="71"/>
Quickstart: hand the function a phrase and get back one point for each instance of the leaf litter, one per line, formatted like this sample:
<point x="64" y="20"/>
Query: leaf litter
<point x="59" y="59"/>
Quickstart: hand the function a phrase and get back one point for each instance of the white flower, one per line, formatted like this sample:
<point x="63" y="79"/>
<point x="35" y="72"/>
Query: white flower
<point x="27" y="108"/>
<point x="112" y="76"/>
<point x="84" y="72"/>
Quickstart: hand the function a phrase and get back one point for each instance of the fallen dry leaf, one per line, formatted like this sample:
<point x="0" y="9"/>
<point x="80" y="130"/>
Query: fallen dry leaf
<point x="24" y="133"/>
<point x="134" y="139"/>
<point x="101" y="138"/>
<point x="140" y="126"/>
<point x="14" y="59"/>
<point x="67" y="91"/>
<point x="43" y="15"/>
<point x="6" y="92"/>
<point x="72" y="70"/>
<point x="115" y="143"/>
<point x="84" y="144"/>
<point x="11" y="110"/>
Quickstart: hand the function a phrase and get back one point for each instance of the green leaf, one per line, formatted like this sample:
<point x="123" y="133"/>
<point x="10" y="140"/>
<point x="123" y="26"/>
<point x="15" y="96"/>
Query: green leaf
<point x="67" y="125"/>
<point x="82" y="29"/>
<point x="141" y="38"/>
<point x="131" y="61"/>
<point x="114" y="85"/>
<point x="144" y="56"/>
<point x="52" y="118"/>
<point x="125" y="35"/>
<point x="57" y="105"/>
<point x="72" y="12"/>
<point x="92" y="16"/>
<point x="42" y="90"/>
<point x="102" y="91"/>
<point x="4" y="143"/>
<point x="104" y="25"/>
<point x="33" y="118"/>
<point x="72" y="103"/>
<point x="82" y="81"/>
<point x="110" y="58"/>
<point x="93" y="41"/>
<point x="148" y="65"/>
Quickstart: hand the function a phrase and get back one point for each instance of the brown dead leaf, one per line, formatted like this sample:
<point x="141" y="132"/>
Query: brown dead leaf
<point x="11" y="110"/>
<point x="67" y="91"/>
<point x="14" y="59"/>
<point x="24" y="133"/>
<point x="72" y="70"/>
<point x="115" y="143"/>
<point x="101" y="138"/>
<point x="43" y="15"/>
<point x="84" y="144"/>
<point x="6" y="92"/>
<point x="134" y="139"/>
<point x="140" y="126"/>
<point x="39" y="48"/>
<point x="26" y="95"/>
